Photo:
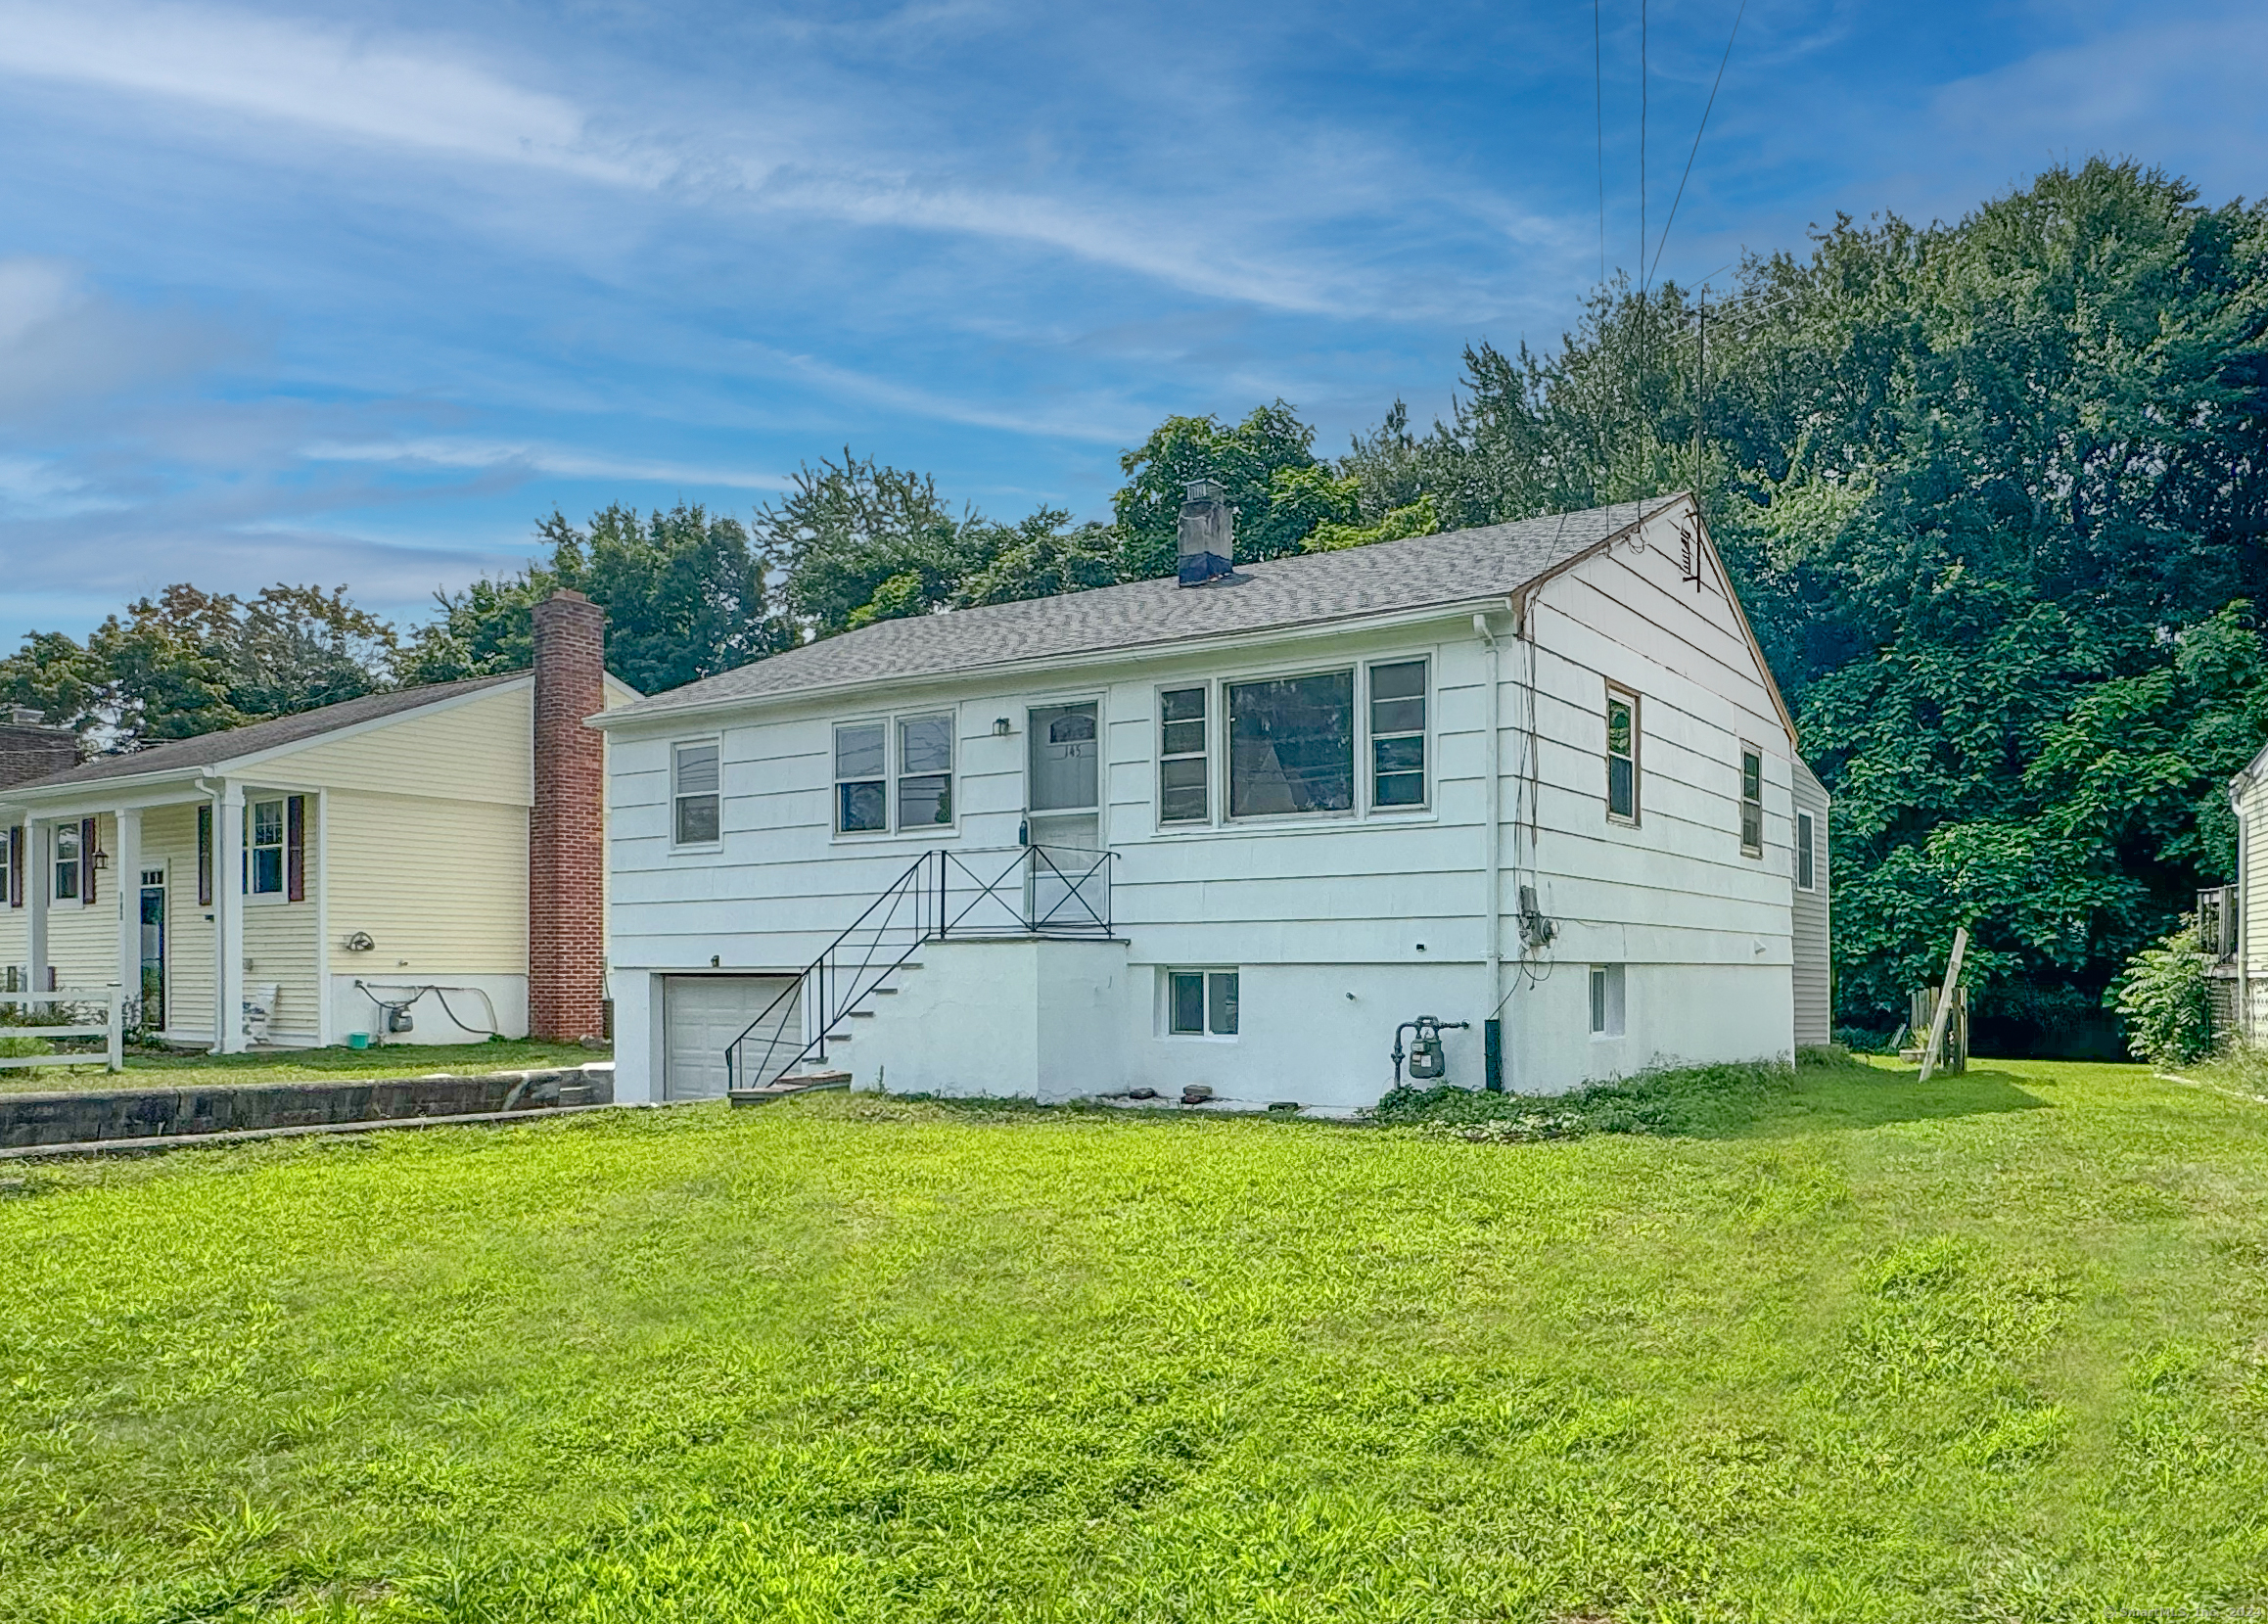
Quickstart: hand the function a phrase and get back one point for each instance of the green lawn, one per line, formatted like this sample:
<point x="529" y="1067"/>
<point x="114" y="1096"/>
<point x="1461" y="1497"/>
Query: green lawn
<point x="1840" y="1349"/>
<point x="193" y="1069"/>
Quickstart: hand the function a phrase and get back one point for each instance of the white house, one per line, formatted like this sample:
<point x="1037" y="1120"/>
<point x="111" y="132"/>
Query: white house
<point x="1533" y="781"/>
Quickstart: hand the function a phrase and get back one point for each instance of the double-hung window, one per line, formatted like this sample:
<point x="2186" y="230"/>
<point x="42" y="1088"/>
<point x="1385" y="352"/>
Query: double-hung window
<point x="695" y="802"/>
<point x="66" y="863"/>
<point x="1751" y="801"/>
<point x="1398" y="734"/>
<point x="1621" y="756"/>
<point x="1806" y="839"/>
<point x="1291" y="745"/>
<point x="1183" y="793"/>
<point x="866" y="786"/>
<point x="263" y="848"/>
<point x="1201" y="1004"/>
<point x="924" y="771"/>
<point x="862" y="778"/>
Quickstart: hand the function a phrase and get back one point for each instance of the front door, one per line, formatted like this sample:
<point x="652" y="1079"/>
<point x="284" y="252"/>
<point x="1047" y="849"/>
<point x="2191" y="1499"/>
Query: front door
<point x="1064" y="816"/>
<point x="154" y="949"/>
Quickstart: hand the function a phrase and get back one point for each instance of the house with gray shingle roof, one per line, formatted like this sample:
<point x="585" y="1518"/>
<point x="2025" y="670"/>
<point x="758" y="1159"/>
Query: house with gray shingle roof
<point x="1515" y="807"/>
<point x="418" y="865"/>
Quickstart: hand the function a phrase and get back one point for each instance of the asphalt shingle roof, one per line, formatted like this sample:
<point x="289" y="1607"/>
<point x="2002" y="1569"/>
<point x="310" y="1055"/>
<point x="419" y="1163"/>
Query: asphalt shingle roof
<point x="208" y="750"/>
<point x="1385" y="578"/>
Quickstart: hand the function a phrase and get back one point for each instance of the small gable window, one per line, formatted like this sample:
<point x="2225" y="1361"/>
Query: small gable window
<point x="1751" y="801"/>
<point x="1806" y="841"/>
<point x="1621" y="756"/>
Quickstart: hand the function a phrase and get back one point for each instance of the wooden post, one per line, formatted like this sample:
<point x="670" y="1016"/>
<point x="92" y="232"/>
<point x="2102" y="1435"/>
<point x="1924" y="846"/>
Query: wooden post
<point x="1945" y="1000"/>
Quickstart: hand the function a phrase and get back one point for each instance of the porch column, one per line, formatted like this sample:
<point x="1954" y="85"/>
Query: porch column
<point x="228" y="919"/>
<point x="38" y="893"/>
<point x="126" y="882"/>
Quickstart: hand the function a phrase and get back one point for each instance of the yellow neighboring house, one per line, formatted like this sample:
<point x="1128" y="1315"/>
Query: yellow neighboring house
<point x="367" y="867"/>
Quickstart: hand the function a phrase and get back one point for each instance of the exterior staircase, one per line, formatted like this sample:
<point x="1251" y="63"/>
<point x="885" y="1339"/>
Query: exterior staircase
<point x="1036" y="891"/>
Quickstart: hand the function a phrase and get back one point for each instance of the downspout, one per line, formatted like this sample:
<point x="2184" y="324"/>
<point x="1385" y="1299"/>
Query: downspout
<point x="1493" y="1032"/>
<point x="2243" y="908"/>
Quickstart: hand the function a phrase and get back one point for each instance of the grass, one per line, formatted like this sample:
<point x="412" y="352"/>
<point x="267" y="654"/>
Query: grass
<point x="1810" y="1345"/>
<point x="195" y="1069"/>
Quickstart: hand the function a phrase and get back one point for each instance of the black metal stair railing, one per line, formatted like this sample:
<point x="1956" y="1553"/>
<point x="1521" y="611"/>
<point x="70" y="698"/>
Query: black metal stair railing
<point x="1051" y="891"/>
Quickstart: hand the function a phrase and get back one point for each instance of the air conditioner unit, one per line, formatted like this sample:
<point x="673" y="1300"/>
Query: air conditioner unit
<point x="2217" y="911"/>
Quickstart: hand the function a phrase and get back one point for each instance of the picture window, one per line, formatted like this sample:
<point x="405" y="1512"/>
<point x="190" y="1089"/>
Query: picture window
<point x="1291" y="745"/>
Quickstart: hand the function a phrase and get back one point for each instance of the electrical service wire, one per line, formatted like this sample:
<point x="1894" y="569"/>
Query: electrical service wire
<point x="1690" y="155"/>
<point x="440" y="996"/>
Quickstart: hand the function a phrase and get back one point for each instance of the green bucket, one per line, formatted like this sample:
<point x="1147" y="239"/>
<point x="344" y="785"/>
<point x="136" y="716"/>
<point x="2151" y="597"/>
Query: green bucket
<point x="357" y="1040"/>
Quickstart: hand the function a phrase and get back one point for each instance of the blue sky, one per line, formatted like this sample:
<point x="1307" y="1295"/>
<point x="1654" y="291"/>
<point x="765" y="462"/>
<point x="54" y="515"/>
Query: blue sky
<point x="335" y="294"/>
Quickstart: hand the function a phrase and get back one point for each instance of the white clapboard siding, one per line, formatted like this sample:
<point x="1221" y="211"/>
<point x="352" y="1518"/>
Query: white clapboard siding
<point x="1814" y="970"/>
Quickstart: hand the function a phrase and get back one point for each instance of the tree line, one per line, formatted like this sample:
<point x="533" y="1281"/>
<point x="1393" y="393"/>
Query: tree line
<point x="1992" y="491"/>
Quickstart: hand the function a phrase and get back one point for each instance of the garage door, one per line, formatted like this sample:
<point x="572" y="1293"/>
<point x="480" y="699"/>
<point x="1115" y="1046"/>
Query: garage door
<point x="702" y="1014"/>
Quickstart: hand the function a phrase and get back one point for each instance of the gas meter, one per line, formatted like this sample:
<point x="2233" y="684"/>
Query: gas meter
<point x="1428" y="1056"/>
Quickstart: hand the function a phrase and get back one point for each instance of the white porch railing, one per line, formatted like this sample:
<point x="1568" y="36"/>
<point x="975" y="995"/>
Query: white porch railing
<point x="109" y="997"/>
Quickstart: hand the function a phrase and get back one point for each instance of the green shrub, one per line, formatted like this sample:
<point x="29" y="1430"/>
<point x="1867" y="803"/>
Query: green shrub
<point x="1687" y="1099"/>
<point x="15" y="1048"/>
<point x="2165" y="999"/>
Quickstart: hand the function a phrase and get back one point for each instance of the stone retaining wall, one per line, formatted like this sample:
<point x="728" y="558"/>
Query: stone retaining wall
<point x="156" y="1113"/>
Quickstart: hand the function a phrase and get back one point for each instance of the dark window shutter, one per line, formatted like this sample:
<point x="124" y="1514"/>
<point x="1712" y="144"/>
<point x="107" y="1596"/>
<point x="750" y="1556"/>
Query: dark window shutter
<point x="205" y="857"/>
<point x="16" y="867"/>
<point x="296" y="849"/>
<point x="86" y="861"/>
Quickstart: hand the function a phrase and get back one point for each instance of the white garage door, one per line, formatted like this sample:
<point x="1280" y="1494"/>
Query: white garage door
<point x="702" y="1014"/>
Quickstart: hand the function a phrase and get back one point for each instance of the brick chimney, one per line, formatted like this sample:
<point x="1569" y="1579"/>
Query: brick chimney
<point x="565" y="855"/>
<point x="31" y="749"/>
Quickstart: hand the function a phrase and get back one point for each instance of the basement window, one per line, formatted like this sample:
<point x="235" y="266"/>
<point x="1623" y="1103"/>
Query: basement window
<point x="1201" y="1004"/>
<point x="1291" y="745"/>
<point x="696" y="804"/>
<point x="1751" y="802"/>
<point x="1182" y="791"/>
<point x="1606" y="1001"/>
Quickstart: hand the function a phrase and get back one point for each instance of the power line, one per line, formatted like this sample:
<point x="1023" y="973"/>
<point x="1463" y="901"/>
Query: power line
<point x="1599" y="109"/>
<point x="1689" y="157"/>
<point x="1641" y="96"/>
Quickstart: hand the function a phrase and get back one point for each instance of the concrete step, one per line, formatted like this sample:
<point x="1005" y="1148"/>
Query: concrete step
<point x="784" y="1087"/>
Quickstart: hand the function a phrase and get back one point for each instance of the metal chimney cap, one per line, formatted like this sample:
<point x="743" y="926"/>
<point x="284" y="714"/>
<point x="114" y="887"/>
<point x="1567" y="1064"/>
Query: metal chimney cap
<point x="1205" y="490"/>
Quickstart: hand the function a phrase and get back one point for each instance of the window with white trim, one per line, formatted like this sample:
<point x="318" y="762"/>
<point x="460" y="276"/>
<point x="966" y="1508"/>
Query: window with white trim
<point x="1806" y="840"/>
<point x="696" y="806"/>
<point x="1398" y="734"/>
<point x="1606" y="1001"/>
<point x="66" y="863"/>
<point x="1185" y="789"/>
<point x="1201" y="1004"/>
<point x="895" y="773"/>
<point x="924" y="771"/>
<point x="1621" y="756"/>
<point x="861" y="777"/>
<point x="1751" y="801"/>
<point x="263" y="848"/>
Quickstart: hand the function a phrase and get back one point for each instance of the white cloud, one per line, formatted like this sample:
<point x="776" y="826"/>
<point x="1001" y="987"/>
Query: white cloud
<point x="324" y="79"/>
<point x="62" y="342"/>
<point x="435" y="452"/>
